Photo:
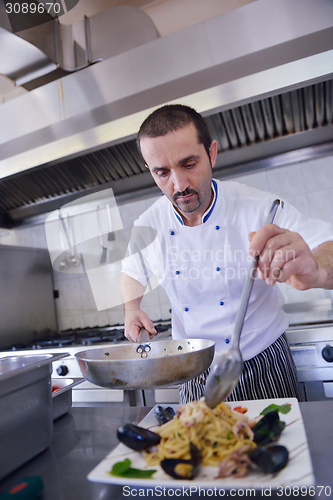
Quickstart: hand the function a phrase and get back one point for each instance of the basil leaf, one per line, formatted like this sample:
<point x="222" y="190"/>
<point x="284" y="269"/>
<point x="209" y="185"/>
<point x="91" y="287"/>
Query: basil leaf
<point x="279" y="408"/>
<point x="138" y="473"/>
<point x="285" y="408"/>
<point x="120" y="467"/>
<point x="123" y="469"/>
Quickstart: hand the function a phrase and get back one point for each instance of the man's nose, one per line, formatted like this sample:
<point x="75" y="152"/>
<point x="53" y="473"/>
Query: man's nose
<point x="180" y="181"/>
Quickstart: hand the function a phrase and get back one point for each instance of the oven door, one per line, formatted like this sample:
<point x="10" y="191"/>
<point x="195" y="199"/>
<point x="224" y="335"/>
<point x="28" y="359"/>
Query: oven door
<point x="316" y="384"/>
<point x="314" y="367"/>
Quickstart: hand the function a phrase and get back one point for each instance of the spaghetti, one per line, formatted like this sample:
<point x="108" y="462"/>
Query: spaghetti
<point x="215" y="432"/>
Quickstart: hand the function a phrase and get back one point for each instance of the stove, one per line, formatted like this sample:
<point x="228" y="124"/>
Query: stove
<point x="312" y="349"/>
<point x="74" y="338"/>
<point x="311" y="346"/>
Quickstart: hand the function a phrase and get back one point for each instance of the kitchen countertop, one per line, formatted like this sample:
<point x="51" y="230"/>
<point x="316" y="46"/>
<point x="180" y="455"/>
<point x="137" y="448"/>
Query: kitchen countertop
<point x="85" y="435"/>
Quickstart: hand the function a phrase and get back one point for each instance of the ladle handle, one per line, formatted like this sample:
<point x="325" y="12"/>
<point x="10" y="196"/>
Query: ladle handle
<point x="249" y="282"/>
<point x="99" y="228"/>
<point x="66" y="232"/>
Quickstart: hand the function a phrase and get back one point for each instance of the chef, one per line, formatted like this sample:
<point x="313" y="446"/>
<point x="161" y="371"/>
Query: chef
<point x="206" y="233"/>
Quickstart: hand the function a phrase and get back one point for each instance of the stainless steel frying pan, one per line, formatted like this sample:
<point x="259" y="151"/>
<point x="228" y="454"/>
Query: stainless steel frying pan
<point x="152" y="364"/>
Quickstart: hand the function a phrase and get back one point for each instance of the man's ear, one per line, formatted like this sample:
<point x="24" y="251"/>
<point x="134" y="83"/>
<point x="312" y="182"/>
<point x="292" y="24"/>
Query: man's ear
<point x="213" y="153"/>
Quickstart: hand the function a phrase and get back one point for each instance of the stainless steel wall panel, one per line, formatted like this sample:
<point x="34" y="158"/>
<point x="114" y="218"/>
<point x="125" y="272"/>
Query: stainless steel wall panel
<point x="27" y="308"/>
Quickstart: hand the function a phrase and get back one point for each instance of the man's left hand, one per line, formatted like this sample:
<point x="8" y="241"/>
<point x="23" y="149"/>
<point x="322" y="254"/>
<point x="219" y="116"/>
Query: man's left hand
<point x="284" y="257"/>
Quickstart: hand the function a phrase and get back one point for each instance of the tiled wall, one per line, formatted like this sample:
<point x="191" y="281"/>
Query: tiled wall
<point x="307" y="185"/>
<point x="76" y="307"/>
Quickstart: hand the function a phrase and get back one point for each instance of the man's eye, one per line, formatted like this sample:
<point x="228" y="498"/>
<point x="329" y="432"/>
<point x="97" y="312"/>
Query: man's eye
<point x="190" y="165"/>
<point x="162" y="173"/>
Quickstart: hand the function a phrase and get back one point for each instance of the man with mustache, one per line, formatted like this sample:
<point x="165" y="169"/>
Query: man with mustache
<point x="206" y="230"/>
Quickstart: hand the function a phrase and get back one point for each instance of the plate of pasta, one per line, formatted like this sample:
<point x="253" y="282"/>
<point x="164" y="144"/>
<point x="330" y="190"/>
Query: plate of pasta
<point x="219" y="434"/>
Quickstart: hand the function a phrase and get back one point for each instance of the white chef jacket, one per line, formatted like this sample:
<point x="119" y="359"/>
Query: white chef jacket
<point x="203" y="268"/>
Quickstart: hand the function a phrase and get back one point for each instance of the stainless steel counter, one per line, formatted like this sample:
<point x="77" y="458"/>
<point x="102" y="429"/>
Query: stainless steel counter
<point x="84" y="436"/>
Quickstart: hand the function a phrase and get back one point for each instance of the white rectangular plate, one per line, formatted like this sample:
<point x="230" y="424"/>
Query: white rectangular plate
<point x="298" y="470"/>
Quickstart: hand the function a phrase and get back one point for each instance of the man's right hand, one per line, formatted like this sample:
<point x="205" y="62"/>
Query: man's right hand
<point x="135" y="319"/>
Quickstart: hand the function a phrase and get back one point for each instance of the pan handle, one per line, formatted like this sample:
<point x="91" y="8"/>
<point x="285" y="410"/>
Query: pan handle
<point x="143" y="337"/>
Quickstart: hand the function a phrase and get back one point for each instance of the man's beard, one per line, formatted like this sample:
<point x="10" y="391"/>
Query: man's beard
<point x="187" y="206"/>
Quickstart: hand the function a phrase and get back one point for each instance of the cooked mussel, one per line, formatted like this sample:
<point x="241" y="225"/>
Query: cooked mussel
<point x="137" y="438"/>
<point x="163" y="415"/>
<point x="270" y="459"/>
<point x="183" y="469"/>
<point x="268" y="428"/>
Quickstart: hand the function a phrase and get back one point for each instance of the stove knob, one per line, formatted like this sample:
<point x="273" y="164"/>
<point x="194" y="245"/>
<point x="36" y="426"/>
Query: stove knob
<point x="327" y="353"/>
<point x="62" y="370"/>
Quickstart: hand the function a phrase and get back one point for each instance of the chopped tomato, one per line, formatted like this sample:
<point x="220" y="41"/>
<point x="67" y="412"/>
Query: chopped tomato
<point x="240" y="409"/>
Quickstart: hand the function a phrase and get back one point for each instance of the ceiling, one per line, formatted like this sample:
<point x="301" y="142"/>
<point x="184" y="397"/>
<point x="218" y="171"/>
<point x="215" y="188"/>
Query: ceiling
<point x="267" y="102"/>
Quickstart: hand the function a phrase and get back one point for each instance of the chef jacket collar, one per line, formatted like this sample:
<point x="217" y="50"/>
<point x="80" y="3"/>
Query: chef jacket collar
<point x="209" y="210"/>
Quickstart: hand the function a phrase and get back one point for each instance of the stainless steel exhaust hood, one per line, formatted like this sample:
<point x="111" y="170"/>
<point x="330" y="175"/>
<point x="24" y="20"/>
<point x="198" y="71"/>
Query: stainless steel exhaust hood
<point x="36" y="49"/>
<point x="261" y="75"/>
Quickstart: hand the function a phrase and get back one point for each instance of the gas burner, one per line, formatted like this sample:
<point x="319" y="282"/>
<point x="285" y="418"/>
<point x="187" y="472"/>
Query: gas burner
<point x="52" y="342"/>
<point x="94" y="340"/>
<point x="86" y="337"/>
<point x="18" y="347"/>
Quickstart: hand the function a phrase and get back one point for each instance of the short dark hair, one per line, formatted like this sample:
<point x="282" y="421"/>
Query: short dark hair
<point x="170" y="118"/>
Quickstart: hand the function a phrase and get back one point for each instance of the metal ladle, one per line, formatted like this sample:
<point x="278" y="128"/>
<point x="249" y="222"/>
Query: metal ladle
<point x="72" y="260"/>
<point x="227" y="366"/>
<point x="104" y="249"/>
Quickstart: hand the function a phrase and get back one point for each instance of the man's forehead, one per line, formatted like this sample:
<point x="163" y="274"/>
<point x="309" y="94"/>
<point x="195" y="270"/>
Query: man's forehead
<point x="177" y="139"/>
